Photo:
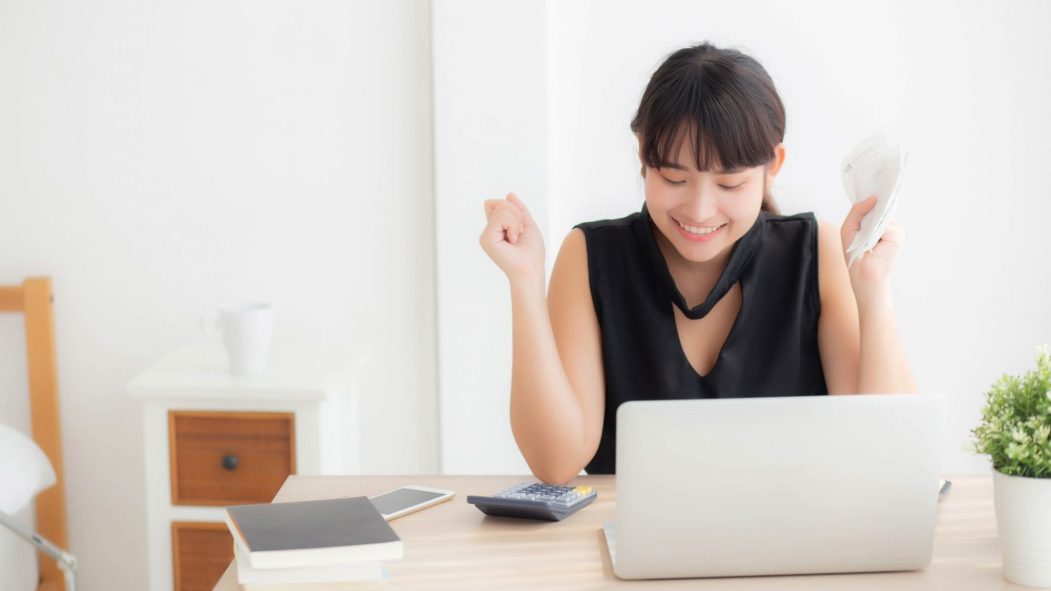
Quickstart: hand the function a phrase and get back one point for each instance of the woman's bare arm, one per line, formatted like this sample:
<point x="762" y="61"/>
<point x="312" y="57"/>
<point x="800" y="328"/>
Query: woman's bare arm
<point x="861" y="348"/>
<point x="557" y="386"/>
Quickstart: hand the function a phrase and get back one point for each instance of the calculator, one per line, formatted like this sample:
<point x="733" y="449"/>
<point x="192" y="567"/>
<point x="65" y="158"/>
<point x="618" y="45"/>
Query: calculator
<point x="536" y="500"/>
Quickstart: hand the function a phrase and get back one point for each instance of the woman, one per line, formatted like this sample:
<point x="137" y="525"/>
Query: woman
<point x="707" y="292"/>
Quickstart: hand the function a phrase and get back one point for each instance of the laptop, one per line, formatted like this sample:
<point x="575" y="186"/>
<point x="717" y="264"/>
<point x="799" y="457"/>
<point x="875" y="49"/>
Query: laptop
<point x="776" y="486"/>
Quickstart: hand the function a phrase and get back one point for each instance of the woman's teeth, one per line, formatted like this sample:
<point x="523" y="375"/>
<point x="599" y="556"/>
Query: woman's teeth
<point x="700" y="231"/>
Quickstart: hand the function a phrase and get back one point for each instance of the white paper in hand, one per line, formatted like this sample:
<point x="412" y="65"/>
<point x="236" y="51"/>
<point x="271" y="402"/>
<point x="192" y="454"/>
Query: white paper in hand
<point x="873" y="167"/>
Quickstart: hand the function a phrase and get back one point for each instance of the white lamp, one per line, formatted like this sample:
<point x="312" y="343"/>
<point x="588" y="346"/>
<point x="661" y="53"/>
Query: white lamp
<point x="25" y="471"/>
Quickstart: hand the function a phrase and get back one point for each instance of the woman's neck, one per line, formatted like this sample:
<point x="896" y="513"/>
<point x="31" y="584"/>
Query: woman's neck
<point x="695" y="280"/>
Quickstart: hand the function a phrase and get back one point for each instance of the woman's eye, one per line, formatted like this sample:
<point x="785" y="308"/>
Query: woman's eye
<point x="671" y="182"/>
<point x="731" y="188"/>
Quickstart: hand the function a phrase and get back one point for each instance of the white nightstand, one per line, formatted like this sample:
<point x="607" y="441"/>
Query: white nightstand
<point x="212" y="439"/>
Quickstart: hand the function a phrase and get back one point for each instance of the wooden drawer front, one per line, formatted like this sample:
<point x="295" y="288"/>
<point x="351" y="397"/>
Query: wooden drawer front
<point x="227" y="458"/>
<point x="200" y="554"/>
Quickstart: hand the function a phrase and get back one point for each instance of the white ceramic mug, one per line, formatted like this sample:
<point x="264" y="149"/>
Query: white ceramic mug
<point x="246" y="333"/>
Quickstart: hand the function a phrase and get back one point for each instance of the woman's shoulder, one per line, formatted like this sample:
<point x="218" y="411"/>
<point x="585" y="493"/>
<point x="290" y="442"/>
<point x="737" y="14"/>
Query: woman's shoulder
<point x="610" y="235"/>
<point x="805" y="224"/>
<point x="796" y="226"/>
<point x="802" y="218"/>
<point x="606" y="242"/>
<point x="622" y="223"/>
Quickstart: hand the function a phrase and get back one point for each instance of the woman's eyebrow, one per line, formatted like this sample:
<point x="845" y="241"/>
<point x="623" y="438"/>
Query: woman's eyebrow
<point x="676" y="166"/>
<point x="672" y="165"/>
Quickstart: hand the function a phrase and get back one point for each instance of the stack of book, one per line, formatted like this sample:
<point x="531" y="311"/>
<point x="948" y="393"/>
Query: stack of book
<point x="311" y="545"/>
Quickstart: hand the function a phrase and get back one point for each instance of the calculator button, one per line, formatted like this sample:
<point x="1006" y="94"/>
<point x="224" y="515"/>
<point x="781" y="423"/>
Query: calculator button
<point x="535" y="500"/>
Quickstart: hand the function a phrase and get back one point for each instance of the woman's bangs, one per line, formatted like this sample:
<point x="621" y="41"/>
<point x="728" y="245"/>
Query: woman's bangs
<point x="720" y="139"/>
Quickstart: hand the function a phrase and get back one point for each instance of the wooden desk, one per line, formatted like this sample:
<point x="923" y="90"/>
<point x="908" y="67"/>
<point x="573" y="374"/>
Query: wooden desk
<point x="455" y="546"/>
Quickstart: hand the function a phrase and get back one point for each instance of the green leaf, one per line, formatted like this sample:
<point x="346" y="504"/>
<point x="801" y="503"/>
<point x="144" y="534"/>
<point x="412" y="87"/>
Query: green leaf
<point x="1016" y="422"/>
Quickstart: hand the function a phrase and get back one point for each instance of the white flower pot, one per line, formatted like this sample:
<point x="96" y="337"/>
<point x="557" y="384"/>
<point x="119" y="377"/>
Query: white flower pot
<point x="1023" y="518"/>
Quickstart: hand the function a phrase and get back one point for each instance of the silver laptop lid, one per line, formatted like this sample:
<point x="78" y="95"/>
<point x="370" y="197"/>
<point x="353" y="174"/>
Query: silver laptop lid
<point x="785" y="485"/>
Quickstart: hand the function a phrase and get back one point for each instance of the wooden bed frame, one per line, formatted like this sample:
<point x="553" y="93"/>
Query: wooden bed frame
<point x="33" y="298"/>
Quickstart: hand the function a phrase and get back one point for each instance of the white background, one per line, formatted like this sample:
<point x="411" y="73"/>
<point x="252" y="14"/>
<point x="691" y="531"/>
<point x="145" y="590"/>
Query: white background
<point x="161" y="159"/>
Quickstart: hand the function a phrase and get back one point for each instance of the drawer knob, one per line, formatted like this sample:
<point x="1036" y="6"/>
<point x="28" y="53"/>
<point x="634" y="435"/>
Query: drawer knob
<point x="230" y="462"/>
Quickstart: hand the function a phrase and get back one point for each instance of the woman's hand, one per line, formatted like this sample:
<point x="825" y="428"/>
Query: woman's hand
<point x="870" y="274"/>
<point x="511" y="238"/>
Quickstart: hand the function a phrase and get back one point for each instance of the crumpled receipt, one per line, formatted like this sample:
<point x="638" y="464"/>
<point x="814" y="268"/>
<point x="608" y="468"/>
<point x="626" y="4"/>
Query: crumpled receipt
<point x="873" y="167"/>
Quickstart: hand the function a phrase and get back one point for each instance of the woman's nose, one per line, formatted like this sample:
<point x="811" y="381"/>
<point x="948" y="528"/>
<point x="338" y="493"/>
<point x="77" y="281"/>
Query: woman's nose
<point x="703" y="206"/>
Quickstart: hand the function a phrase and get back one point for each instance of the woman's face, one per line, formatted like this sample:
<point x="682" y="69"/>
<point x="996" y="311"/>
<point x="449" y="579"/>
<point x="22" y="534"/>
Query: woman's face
<point x="702" y="214"/>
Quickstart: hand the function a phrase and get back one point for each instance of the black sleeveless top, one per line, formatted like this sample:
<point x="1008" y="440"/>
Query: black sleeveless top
<point x="770" y="351"/>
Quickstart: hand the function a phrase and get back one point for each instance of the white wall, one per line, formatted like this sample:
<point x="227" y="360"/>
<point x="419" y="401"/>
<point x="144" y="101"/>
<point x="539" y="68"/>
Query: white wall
<point x="969" y="83"/>
<point x="160" y="159"/>
<point x="490" y="122"/>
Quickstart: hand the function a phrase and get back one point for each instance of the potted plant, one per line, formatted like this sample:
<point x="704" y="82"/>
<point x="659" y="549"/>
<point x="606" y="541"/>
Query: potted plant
<point x="1015" y="429"/>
